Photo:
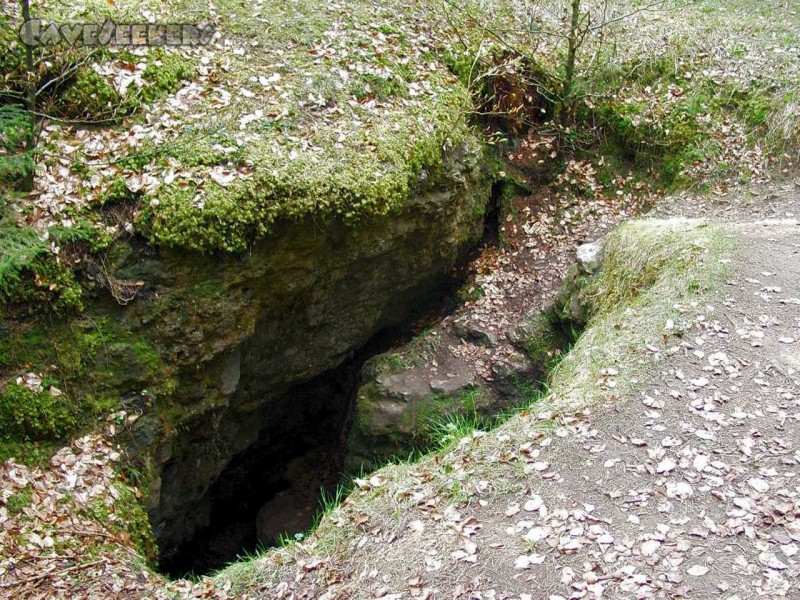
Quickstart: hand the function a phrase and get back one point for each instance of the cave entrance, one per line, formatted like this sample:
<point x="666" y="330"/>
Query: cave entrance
<point x="274" y="489"/>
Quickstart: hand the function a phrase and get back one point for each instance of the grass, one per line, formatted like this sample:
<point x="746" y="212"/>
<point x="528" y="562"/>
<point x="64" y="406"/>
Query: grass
<point x="328" y="502"/>
<point x="448" y="431"/>
<point x="713" y="100"/>
<point x="650" y="270"/>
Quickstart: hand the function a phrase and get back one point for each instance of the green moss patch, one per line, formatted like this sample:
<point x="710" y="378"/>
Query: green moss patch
<point x="27" y="414"/>
<point x="30" y="272"/>
<point x="125" y="518"/>
<point x="91" y="94"/>
<point x="80" y="370"/>
<point x="374" y="173"/>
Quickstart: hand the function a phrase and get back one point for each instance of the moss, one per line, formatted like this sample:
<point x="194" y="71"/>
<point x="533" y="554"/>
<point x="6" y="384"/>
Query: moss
<point x="98" y="363"/>
<point x="470" y="293"/>
<point x="164" y="74"/>
<point x="666" y="142"/>
<point x="31" y="274"/>
<point x="369" y="86"/>
<point x="34" y="454"/>
<point x="127" y="517"/>
<point x="233" y="217"/>
<point x="547" y="338"/>
<point x="295" y="164"/>
<point x="668" y="137"/>
<point x="116" y="191"/>
<point x="16" y="503"/>
<point x="108" y="359"/>
<point x="26" y="414"/>
<point x="46" y="283"/>
<point x="92" y="96"/>
<point x="754" y="106"/>
<point x="218" y="148"/>
<point x="386" y="153"/>
<point x="638" y="255"/>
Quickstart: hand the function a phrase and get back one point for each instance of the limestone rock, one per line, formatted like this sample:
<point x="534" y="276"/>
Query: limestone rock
<point x="406" y="386"/>
<point x="454" y="382"/>
<point x="510" y="371"/>
<point x="590" y="257"/>
<point x="213" y="347"/>
<point x="521" y="333"/>
<point x="476" y="332"/>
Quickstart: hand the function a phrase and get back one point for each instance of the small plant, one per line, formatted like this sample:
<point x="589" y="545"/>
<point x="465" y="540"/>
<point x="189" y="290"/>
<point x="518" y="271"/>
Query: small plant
<point x="329" y="501"/>
<point x="449" y="430"/>
<point x="16" y="503"/>
<point x="26" y="414"/>
<point x="471" y="293"/>
<point x="16" y="160"/>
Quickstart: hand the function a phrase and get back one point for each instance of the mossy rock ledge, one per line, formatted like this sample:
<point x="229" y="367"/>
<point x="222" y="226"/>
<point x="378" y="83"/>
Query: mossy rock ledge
<point x="207" y="352"/>
<point x="400" y="405"/>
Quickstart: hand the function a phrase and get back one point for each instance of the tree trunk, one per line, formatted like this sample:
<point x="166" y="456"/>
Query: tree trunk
<point x="26" y="185"/>
<point x="568" y="92"/>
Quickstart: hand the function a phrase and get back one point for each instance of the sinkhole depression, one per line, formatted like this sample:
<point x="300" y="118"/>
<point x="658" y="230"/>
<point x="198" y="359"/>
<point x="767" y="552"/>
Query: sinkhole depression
<point x="274" y="488"/>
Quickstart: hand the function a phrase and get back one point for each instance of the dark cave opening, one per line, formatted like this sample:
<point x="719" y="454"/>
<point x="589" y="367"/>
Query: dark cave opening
<point x="275" y="487"/>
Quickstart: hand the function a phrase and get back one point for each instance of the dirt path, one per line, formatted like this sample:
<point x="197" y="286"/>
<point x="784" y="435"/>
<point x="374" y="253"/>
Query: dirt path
<point x="687" y="488"/>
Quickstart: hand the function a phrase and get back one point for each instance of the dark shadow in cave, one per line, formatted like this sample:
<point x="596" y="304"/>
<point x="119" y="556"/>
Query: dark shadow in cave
<point x="279" y="477"/>
<point x="274" y="487"/>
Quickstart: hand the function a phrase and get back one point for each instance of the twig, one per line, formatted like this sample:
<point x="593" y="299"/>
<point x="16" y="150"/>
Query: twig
<point x="650" y="6"/>
<point x="41" y="576"/>
<point x="67" y="73"/>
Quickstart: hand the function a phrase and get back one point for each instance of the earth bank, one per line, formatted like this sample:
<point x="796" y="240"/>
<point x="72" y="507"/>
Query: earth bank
<point x="208" y="356"/>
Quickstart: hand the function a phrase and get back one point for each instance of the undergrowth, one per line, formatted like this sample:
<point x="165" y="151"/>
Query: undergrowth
<point x="35" y="271"/>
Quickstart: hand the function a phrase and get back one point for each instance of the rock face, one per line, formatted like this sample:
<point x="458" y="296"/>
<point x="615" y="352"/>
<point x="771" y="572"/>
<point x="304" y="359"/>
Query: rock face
<point x="590" y="257"/>
<point x="292" y="510"/>
<point x="404" y="391"/>
<point x="235" y="335"/>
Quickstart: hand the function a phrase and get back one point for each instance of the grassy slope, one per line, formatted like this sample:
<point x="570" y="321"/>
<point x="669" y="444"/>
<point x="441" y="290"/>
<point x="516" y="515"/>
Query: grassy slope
<point x="652" y="272"/>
